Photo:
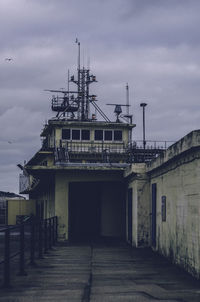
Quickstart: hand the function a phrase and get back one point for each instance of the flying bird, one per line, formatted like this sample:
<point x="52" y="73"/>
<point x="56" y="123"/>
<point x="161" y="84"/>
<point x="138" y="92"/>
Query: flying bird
<point x="8" y="59"/>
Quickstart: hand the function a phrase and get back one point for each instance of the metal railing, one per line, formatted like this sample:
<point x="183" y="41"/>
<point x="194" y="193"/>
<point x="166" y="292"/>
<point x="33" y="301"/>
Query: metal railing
<point x="113" y="147"/>
<point x="94" y="147"/>
<point x="150" y="144"/>
<point x="23" y="244"/>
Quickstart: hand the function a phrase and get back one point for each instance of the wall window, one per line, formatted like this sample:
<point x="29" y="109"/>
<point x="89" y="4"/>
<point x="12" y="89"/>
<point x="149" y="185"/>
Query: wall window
<point x="85" y="135"/>
<point x="108" y="135"/>
<point x="75" y="134"/>
<point x="66" y="134"/>
<point x="98" y="135"/>
<point x="117" y="135"/>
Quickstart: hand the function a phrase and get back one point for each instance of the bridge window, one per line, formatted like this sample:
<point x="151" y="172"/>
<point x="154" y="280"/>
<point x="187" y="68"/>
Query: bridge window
<point x="76" y="134"/>
<point x="108" y="135"/>
<point x="117" y="135"/>
<point x="98" y="135"/>
<point x="66" y="134"/>
<point x="85" y="135"/>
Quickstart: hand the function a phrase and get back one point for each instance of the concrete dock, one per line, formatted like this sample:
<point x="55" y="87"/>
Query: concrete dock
<point x="102" y="272"/>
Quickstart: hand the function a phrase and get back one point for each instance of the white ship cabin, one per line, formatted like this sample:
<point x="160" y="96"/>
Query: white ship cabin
<point x="91" y="141"/>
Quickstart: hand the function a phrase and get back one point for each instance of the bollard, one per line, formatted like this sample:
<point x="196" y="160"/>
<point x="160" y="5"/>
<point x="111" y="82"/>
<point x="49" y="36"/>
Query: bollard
<point x="6" y="283"/>
<point x="22" y="248"/>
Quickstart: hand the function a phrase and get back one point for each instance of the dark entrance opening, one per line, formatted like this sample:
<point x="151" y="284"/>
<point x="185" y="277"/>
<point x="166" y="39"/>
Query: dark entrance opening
<point x="96" y="211"/>
<point x="84" y="209"/>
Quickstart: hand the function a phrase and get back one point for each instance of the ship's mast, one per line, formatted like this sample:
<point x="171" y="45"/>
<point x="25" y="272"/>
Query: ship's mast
<point x="127" y="99"/>
<point x="76" y="104"/>
<point x="84" y="79"/>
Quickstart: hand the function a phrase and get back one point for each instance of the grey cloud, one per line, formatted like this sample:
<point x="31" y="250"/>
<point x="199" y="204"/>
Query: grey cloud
<point x="153" y="45"/>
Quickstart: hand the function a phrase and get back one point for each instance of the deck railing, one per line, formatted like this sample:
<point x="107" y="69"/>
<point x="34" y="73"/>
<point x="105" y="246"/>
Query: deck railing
<point x="150" y="144"/>
<point x="70" y="150"/>
<point x="24" y="243"/>
<point x="113" y="147"/>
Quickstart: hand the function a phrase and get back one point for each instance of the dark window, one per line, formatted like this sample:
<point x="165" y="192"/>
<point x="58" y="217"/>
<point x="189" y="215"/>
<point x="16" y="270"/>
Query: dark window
<point x="154" y="214"/>
<point x="85" y="135"/>
<point x="65" y="133"/>
<point x="108" y="135"/>
<point x="117" y="135"/>
<point x="98" y="136"/>
<point x="76" y="134"/>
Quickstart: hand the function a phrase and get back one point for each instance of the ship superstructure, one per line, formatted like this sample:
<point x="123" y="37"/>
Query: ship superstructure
<point x="78" y="174"/>
<point x="76" y="135"/>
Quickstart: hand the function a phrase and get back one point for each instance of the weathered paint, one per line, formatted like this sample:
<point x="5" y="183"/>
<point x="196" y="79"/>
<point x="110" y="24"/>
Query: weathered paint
<point x="61" y="204"/>
<point x="177" y="178"/>
<point x="138" y="181"/>
<point x="179" y="236"/>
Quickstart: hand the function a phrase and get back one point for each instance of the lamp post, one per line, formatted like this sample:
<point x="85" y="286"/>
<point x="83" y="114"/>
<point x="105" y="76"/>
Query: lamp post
<point x="143" y="105"/>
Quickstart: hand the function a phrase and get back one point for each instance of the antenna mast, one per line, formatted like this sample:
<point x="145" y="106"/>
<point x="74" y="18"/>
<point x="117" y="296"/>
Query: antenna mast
<point x="83" y="82"/>
<point x="127" y="99"/>
<point x="76" y="104"/>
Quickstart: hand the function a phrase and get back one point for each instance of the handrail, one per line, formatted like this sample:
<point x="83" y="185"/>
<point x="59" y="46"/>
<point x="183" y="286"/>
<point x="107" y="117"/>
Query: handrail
<point x="42" y="236"/>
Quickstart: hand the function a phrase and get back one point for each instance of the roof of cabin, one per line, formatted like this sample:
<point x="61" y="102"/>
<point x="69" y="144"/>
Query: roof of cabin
<point x="86" y="124"/>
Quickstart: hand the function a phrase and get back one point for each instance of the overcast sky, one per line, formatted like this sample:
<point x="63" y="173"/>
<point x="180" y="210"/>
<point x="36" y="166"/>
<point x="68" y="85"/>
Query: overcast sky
<point x="154" y="45"/>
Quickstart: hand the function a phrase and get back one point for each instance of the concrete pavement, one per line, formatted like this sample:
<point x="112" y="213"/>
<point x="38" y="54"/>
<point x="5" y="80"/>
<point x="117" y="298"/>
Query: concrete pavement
<point x="100" y="273"/>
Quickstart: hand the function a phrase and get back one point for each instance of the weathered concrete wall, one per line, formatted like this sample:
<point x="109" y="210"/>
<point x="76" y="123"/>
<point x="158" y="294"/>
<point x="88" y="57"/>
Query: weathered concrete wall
<point x="143" y="212"/>
<point x="138" y="181"/>
<point x="177" y="178"/>
<point x="61" y="204"/>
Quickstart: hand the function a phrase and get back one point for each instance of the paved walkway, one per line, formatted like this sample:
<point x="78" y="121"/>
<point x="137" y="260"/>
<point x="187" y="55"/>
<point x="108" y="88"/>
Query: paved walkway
<point x="101" y="273"/>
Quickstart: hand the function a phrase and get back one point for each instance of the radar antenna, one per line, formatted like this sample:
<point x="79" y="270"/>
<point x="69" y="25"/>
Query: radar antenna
<point x="118" y="110"/>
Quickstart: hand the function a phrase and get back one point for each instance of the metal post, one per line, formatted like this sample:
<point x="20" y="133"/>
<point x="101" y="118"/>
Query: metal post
<point x="7" y="259"/>
<point x="143" y="105"/>
<point x="53" y="231"/>
<point x="40" y="237"/>
<point x="50" y="234"/>
<point x="22" y="248"/>
<point x="56" y="237"/>
<point x="32" y="243"/>
<point x="45" y="236"/>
